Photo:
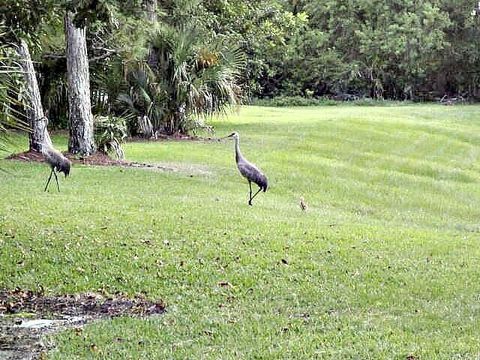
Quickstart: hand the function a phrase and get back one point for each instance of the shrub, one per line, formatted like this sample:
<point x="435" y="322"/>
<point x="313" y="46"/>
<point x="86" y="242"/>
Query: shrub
<point x="283" y="101"/>
<point x="110" y="132"/>
<point x="194" y="77"/>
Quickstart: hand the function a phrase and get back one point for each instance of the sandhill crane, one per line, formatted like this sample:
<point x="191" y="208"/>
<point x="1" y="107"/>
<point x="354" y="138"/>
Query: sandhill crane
<point x="57" y="162"/>
<point x="55" y="159"/>
<point x="248" y="170"/>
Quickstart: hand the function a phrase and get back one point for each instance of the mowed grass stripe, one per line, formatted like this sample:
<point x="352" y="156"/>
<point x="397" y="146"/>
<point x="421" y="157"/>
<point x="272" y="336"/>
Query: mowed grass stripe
<point x="383" y="264"/>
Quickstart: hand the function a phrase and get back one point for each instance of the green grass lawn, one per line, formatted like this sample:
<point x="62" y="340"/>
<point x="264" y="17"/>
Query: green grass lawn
<point x="383" y="265"/>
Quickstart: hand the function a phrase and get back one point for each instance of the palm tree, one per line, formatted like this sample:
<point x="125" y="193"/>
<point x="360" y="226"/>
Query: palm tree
<point x="10" y="77"/>
<point x="143" y="100"/>
<point x="194" y="77"/>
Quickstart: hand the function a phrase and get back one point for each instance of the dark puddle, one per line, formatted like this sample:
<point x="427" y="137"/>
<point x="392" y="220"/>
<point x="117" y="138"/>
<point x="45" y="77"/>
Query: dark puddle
<point x="26" y="316"/>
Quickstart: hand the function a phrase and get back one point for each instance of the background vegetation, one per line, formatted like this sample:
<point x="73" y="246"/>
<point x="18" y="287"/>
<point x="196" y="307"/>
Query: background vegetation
<point x="166" y="68"/>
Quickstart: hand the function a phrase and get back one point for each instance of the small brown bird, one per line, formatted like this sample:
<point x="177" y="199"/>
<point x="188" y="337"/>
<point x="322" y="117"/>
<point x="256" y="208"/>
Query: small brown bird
<point x="303" y="204"/>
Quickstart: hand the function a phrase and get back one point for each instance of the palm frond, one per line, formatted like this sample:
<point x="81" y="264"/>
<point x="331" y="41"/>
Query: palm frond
<point x="195" y="75"/>
<point x="11" y="81"/>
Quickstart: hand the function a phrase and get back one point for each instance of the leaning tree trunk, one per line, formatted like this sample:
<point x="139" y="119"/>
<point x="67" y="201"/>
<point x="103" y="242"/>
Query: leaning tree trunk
<point x="36" y="118"/>
<point x="79" y="107"/>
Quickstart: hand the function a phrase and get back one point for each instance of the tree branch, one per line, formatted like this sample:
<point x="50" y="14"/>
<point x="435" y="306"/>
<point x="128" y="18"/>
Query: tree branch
<point x="108" y="52"/>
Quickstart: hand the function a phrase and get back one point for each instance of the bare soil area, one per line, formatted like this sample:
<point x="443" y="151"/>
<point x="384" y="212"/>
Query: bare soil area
<point x="101" y="159"/>
<point x="96" y="159"/>
<point x="26" y="316"/>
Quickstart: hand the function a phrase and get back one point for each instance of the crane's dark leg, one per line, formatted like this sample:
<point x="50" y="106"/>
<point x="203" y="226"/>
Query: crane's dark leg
<point x="48" y="182"/>
<point x="56" y="179"/>
<point x="250" y="200"/>
<point x="252" y="197"/>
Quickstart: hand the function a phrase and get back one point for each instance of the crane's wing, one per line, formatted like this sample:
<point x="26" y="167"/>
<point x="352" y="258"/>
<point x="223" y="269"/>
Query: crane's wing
<point x="55" y="159"/>
<point x="252" y="173"/>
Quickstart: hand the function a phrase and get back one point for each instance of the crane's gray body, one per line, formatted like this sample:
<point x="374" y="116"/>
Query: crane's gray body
<point x="251" y="172"/>
<point x="248" y="170"/>
<point x="57" y="162"/>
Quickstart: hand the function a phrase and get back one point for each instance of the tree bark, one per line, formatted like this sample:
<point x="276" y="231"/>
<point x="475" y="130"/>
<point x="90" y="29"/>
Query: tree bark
<point x="35" y="115"/>
<point x="151" y="6"/>
<point x="81" y="139"/>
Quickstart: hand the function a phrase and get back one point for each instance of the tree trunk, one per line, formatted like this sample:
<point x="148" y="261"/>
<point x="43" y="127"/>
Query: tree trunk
<point x="151" y="6"/>
<point x="79" y="107"/>
<point x="36" y="118"/>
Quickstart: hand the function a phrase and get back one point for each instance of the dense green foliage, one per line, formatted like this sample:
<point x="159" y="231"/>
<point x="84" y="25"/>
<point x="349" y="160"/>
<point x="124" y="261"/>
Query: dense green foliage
<point x="398" y="49"/>
<point x="383" y="264"/>
<point x="10" y="95"/>
<point x="394" y="50"/>
<point x="190" y="79"/>
<point x="110" y="132"/>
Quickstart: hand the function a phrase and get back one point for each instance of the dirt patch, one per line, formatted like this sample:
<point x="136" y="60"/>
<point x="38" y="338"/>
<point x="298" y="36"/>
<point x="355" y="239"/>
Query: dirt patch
<point x="101" y="159"/>
<point x="174" y="137"/>
<point x="12" y="302"/>
<point x="26" y="316"/>
<point x="96" y="159"/>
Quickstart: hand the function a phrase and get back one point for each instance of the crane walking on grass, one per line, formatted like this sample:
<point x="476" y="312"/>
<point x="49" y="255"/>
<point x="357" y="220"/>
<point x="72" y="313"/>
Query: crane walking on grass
<point x="248" y="170"/>
<point x="56" y="160"/>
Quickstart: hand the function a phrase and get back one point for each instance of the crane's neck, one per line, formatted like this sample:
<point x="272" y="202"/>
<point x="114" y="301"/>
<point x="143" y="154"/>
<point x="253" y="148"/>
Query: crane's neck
<point x="238" y="153"/>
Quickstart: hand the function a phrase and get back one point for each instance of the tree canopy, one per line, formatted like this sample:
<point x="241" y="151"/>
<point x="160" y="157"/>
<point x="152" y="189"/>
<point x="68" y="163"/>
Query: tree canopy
<point x="184" y="59"/>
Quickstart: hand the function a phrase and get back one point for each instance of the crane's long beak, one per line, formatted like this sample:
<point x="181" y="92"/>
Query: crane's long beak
<point x="226" y="137"/>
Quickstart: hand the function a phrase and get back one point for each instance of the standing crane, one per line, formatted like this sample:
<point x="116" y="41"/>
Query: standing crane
<point x="248" y="170"/>
<point x="56" y="160"/>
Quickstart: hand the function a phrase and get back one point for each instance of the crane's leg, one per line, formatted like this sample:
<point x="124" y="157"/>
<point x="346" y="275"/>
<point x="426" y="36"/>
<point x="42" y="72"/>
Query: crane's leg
<point x="56" y="179"/>
<point x="250" y="200"/>
<point x="48" y="182"/>
<point x="252" y="197"/>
